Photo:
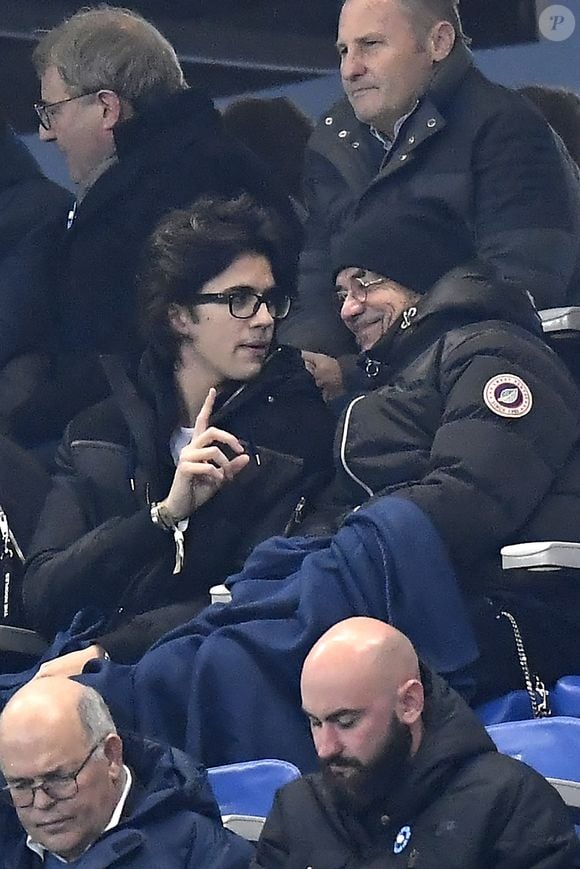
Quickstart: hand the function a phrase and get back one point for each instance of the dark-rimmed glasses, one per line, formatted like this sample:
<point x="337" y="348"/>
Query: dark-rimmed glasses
<point x="43" y="109"/>
<point x="244" y="302"/>
<point x="58" y="787"/>
<point x="358" y="289"/>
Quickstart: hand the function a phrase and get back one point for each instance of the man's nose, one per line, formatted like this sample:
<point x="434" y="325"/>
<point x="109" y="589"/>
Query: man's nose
<point x="262" y="318"/>
<point x="351" y="66"/>
<point x="42" y="800"/>
<point x="327" y="743"/>
<point x="351" y="307"/>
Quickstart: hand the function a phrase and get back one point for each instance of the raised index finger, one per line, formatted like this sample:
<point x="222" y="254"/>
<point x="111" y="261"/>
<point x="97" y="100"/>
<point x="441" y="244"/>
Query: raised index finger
<point x="203" y="417"/>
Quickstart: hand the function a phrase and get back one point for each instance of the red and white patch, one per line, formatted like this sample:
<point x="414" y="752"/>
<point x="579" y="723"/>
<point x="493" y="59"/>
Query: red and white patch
<point x="508" y="395"/>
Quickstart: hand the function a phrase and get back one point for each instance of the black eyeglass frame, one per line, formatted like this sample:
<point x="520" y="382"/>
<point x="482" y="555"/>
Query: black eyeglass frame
<point x="228" y="298"/>
<point x="7" y="792"/>
<point x="359" y="295"/>
<point x="42" y="109"/>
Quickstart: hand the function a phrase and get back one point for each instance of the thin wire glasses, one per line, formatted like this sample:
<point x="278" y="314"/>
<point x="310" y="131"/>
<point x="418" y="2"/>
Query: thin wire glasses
<point x="244" y="302"/>
<point x="358" y="289"/>
<point x="57" y="787"/>
<point x="43" y="110"/>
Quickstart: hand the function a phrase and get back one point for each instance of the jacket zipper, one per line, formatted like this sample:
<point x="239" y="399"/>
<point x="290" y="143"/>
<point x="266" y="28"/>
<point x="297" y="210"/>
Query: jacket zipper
<point x="353" y="476"/>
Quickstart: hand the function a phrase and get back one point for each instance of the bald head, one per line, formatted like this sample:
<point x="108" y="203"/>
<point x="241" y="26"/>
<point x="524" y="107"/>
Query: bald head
<point x="363" y="648"/>
<point x="360" y="677"/>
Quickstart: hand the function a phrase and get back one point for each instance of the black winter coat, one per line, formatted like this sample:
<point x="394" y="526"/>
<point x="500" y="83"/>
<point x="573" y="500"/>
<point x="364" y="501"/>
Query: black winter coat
<point x="170" y="821"/>
<point x="481" y="148"/>
<point x="461" y="805"/>
<point x="167" y="158"/>
<point x="95" y="543"/>
<point x="423" y="431"/>
<point x="29" y="204"/>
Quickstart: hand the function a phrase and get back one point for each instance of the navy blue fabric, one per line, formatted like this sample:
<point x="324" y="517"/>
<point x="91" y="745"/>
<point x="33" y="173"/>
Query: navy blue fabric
<point x="225" y="686"/>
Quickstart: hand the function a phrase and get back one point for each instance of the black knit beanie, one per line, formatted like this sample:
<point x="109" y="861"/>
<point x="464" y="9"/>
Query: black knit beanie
<point x="414" y="247"/>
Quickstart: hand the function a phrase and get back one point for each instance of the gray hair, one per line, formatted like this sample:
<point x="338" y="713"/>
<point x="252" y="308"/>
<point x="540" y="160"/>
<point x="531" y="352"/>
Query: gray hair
<point x="423" y="14"/>
<point x="94" y="716"/>
<point x="107" y="47"/>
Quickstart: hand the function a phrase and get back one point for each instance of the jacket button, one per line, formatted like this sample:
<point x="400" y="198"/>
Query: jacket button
<point x="403" y="157"/>
<point x="431" y="123"/>
<point x="385" y="820"/>
<point x="411" y="140"/>
<point x="328" y="121"/>
<point x="343" y="134"/>
<point x="356" y="144"/>
<point x="270" y="399"/>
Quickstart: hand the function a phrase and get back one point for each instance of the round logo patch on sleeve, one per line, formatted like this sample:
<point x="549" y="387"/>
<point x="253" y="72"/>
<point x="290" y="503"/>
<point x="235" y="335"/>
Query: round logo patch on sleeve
<point x="508" y="395"/>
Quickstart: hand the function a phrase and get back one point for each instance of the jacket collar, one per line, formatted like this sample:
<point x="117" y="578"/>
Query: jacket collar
<point x="147" y="141"/>
<point x="465" y="295"/>
<point x="349" y="143"/>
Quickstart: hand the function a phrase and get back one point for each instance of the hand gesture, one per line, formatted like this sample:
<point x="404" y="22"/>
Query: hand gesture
<point x="203" y="468"/>
<point x="326" y="372"/>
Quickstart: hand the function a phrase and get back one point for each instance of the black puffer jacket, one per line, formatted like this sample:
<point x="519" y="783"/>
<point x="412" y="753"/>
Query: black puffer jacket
<point x="479" y="147"/>
<point x="460" y="806"/>
<point x="423" y="431"/>
<point x="95" y="543"/>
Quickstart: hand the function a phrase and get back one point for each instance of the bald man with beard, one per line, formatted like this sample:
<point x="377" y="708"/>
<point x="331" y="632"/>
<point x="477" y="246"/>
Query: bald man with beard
<point x="409" y="777"/>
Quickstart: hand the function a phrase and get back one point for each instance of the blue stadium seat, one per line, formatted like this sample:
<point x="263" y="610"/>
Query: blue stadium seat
<point x="514" y="706"/>
<point x="246" y="791"/>
<point x="565" y="697"/>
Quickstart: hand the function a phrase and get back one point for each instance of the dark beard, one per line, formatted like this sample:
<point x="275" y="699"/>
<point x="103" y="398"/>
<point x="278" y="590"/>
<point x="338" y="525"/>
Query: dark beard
<point x="377" y="779"/>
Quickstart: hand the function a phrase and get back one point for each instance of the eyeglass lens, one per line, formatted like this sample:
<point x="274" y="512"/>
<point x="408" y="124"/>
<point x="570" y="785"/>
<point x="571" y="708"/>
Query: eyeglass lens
<point x="245" y="305"/>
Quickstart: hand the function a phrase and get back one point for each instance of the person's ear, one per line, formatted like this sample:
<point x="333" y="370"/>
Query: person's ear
<point x="113" y="751"/>
<point x="410" y="701"/>
<point x="179" y="319"/>
<point x="111" y="108"/>
<point x="440" y="41"/>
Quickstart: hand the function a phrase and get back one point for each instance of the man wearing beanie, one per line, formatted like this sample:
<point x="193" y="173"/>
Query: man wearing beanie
<point x="457" y="416"/>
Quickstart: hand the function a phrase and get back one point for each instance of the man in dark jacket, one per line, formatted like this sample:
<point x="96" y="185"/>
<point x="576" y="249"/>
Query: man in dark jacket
<point x="75" y="792"/>
<point x="138" y="142"/>
<point x="408" y="777"/>
<point x="420" y="120"/>
<point x="457" y="422"/>
<point x="163" y="491"/>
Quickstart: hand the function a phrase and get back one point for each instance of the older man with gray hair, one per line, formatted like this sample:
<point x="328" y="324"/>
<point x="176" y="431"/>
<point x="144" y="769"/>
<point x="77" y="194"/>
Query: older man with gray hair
<point x="76" y="793"/>
<point x="418" y="119"/>
<point x="138" y="143"/>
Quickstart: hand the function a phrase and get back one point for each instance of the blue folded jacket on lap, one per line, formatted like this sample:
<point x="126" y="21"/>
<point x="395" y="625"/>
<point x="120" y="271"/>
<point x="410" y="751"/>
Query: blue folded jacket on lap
<point x="225" y="686"/>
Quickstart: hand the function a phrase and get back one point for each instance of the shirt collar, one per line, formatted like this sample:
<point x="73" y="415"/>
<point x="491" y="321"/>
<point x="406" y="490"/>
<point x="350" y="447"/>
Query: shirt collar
<point x="39" y="849"/>
<point x="384" y="140"/>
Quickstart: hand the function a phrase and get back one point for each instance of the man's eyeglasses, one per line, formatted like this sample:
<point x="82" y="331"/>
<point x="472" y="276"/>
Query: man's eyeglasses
<point x="43" y="110"/>
<point x="57" y="787"/>
<point x="244" y="302"/>
<point x="358" y="290"/>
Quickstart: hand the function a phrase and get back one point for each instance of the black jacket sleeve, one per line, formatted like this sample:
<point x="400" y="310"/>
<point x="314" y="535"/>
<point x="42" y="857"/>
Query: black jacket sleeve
<point x="533" y="829"/>
<point x="75" y="560"/>
<point x="487" y="474"/>
<point x="526" y="205"/>
<point x="273" y="850"/>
